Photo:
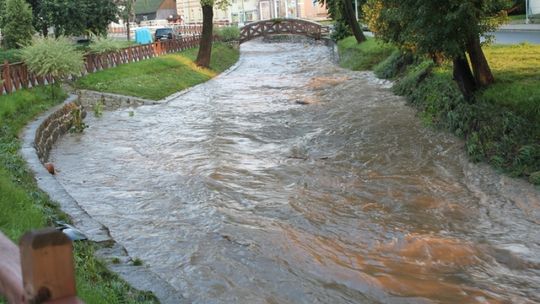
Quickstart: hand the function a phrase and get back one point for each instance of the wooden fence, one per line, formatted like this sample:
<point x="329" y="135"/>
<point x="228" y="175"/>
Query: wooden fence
<point x="16" y="76"/>
<point x="40" y="270"/>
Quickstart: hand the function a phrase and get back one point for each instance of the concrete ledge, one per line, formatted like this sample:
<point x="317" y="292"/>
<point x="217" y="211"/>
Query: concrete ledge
<point x="38" y="138"/>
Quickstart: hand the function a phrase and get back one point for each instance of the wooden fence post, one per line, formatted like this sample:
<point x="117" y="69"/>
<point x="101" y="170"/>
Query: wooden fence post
<point x="6" y="76"/>
<point x="47" y="267"/>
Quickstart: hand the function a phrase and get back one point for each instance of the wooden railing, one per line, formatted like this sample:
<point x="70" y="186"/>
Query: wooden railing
<point x="16" y="76"/>
<point x="281" y="26"/>
<point x="40" y="270"/>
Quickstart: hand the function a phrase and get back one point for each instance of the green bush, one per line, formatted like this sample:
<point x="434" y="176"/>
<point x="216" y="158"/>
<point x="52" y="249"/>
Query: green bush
<point x="102" y="44"/>
<point x="341" y="30"/>
<point x="229" y="33"/>
<point x="57" y="57"/>
<point x="17" y="19"/>
<point x="394" y="65"/>
<point x="535" y="178"/>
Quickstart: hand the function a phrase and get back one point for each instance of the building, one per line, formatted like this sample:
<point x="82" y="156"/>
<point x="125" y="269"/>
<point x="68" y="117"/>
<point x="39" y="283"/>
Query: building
<point x="191" y="12"/>
<point x="244" y="11"/>
<point x="154" y="9"/>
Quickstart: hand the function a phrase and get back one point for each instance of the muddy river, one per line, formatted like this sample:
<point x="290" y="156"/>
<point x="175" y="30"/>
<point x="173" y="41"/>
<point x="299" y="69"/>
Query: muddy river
<point x="291" y="180"/>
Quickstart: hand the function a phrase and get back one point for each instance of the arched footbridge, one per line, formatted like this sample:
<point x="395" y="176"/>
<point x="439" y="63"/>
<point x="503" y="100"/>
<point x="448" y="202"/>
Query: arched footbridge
<point x="282" y="26"/>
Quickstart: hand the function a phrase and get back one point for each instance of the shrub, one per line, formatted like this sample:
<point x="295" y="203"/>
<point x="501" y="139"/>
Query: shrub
<point x="394" y="65"/>
<point x="229" y="33"/>
<point x="57" y="57"/>
<point x="341" y="30"/>
<point x="102" y="44"/>
<point x="17" y="21"/>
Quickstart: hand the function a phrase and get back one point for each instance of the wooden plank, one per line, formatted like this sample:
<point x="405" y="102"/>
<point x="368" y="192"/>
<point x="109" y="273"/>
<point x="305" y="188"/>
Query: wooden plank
<point x="6" y="76"/>
<point x="47" y="266"/>
<point x="10" y="271"/>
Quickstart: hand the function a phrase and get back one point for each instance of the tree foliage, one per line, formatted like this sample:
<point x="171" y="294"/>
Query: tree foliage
<point x="442" y="29"/>
<point x="17" y="23"/>
<point x="344" y="16"/>
<point x="2" y="10"/>
<point x="74" y="17"/>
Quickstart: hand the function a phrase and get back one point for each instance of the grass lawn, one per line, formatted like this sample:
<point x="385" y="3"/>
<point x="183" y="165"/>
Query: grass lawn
<point x="160" y="77"/>
<point x="23" y="206"/>
<point x="363" y="56"/>
<point x="517" y="73"/>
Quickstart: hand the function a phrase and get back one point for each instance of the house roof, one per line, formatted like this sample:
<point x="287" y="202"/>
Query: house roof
<point x="147" y="6"/>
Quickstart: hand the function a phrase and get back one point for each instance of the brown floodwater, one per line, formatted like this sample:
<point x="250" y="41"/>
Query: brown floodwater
<point x="291" y="180"/>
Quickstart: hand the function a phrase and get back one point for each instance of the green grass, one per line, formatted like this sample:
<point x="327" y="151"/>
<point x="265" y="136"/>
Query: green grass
<point x="501" y="127"/>
<point x="23" y="206"/>
<point x="517" y="72"/>
<point x="160" y="77"/>
<point x="516" y="17"/>
<point x="363" y="56"/>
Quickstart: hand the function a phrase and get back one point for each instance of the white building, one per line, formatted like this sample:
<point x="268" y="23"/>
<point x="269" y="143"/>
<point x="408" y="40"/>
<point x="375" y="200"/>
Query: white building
<point x="244" y="11"/>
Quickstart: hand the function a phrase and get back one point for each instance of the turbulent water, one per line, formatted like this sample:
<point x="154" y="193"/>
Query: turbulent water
<point x="291" y="180"/>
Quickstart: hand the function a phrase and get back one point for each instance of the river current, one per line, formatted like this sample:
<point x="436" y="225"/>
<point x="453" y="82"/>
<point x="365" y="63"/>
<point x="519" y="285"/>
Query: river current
<point x="290" y="180"/>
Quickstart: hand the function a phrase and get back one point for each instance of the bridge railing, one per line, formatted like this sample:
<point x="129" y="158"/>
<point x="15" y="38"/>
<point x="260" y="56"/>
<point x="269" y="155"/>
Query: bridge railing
<point x="40" y="270"/>
<point x="281" y="26"/>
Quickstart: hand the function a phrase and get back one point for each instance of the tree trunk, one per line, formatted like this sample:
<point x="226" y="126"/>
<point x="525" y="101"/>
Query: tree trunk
<point x="205" y="46"/>
<point x="349" y="14"/>
<point x="464" y="78"/>
<point x="44" y="30"/>
<point x="128" y="28"/>
<point x="480" y="66"/>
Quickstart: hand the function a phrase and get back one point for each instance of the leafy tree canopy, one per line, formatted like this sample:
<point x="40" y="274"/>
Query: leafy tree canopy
<point x="430" y="27"/>
<point x="17" y="23"/>
<point x="74" y="17"/>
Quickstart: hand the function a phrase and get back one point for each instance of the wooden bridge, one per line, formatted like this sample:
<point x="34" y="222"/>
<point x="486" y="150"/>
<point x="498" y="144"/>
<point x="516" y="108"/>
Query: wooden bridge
<point x="282" y="26"/>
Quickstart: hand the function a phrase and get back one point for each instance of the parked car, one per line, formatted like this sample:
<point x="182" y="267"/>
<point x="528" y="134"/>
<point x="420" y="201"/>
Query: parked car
<point x="165" y="33"/>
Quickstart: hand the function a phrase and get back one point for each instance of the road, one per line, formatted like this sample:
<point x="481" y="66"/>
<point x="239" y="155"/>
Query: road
<point x="508" y="37"/>
<point x="515" y="37"/>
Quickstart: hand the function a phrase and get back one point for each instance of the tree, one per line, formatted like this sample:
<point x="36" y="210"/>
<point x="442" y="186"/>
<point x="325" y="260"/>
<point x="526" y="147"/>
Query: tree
<point x="343" y="12"/>
<point x="74" y="17"/>
<point x="127" y="14"/>
<point x="449" y="29"/>
<point x="205" y="45"/>
<point x="2" y="10"/>
<point x="17" y="19"/>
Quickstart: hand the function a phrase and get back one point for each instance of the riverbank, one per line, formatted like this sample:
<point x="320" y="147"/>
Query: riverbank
<point x="23" y="206"/>
<point x="502" y="126"/>
<point x="162" y="76"/>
